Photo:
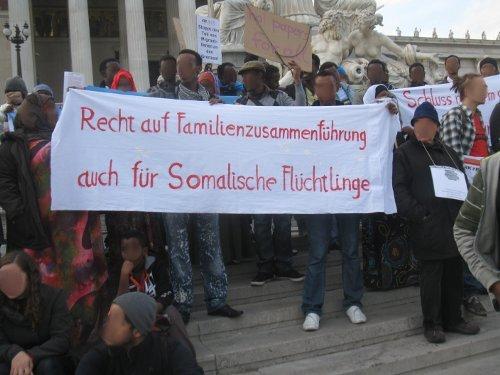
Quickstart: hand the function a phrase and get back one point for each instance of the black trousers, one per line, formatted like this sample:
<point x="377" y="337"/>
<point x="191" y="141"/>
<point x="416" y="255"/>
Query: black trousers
<point x="441" y="291"/>
<point x="49" y="366"/>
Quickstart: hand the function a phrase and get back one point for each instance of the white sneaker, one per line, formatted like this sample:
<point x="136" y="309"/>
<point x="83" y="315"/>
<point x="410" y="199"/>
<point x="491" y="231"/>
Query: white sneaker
<point x="355" y="315"/>
<point x="311" y="323"/>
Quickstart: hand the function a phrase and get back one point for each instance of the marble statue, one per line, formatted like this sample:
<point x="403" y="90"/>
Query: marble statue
<point x="467" y="35"/>
<point x="498" y="36"/>
<point x="450" y="35"/>
<point x="483" y="36"/>
<point x="297" y="10"/>
<point x="434" y="33"/>
<point x="416" y="33"/>
<point x="398" y="31"/>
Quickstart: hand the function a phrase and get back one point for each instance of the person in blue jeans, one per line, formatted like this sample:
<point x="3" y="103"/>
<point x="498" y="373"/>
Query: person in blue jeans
<point x="319" y="228"/>
<point x="189" y="64"/>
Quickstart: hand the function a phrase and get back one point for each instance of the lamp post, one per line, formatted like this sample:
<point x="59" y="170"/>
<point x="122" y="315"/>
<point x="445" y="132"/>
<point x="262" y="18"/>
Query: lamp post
<point x="19" y="37"/>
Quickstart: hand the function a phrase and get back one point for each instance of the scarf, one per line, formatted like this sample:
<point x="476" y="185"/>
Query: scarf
<point x="122" y="73"/>
<point x="184" y="93"/>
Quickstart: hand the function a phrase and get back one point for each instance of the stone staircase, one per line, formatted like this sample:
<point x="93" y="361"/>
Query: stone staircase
<point x="268" y="338"/>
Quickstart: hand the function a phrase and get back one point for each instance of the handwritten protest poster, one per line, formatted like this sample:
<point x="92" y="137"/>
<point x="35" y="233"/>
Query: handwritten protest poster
<point x="208" y="33"/>
<point x="441" y="97"/>
<point x="114" y="152"/>
<point x="72" y="80"/>
<point x="270" y="36"/>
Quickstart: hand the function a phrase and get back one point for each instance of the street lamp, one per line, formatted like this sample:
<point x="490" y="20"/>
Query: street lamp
<point x="19" y="37"/>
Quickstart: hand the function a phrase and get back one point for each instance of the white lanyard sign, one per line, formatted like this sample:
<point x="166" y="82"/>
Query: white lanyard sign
<point x="114" y="152"/>
<point x="449" y="183"/>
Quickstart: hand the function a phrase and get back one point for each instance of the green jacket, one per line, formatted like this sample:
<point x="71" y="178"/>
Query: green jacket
<point x="476" y="228"/>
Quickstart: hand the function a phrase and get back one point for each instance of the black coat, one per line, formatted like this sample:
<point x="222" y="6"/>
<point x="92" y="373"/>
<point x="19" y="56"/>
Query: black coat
<point x="430" y="219"/>
<point x="50" y="338"/>
<point x="156" y="355"/>
<point x="18" y="196"/>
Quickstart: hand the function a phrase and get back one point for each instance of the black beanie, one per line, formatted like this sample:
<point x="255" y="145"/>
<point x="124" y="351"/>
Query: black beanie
<point x="16" y="84"/>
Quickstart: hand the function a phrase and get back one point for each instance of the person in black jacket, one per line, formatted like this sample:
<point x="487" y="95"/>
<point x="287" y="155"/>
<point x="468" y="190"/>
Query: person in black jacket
<point x="131" y="348"/>
<point x="143" y="273"/>
<point x="495" y="128"/>
<point x="35" y="323"/>
<point x="431" y="222"/>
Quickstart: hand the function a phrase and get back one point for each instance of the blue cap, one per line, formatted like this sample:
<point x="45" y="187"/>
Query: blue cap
<point x="43" y="87"/>
<point x="341" y="70"/>
<point x="425" y="110"/>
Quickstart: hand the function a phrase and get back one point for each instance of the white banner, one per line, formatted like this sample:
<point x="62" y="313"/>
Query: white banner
<point x="114" y="152"/>
<point x="444" y="99"/>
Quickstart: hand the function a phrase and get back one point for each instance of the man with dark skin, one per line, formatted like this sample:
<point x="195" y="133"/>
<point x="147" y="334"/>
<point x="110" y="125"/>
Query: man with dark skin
<point x="112" y="67"/>
<point x="417" y="75"/>
<point x="452" y="67"/>
<point x="377" y="73"/>
<point x="165" y="85"/>
<point x="488" y="67"/>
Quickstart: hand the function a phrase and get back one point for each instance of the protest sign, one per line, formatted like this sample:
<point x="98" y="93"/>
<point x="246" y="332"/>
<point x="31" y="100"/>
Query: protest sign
<point x="72" y="80"/>
<point x="208" y="33"/>
<point x="444" y="99"/>
<point x="115" y="152"/>
<point x="472" y="165"/>
<point x="271" y="37"/>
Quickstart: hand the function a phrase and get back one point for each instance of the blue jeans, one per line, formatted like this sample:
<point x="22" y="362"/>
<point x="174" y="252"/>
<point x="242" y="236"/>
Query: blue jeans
<point x="274" y="250"/>
<point x="472" y="286"/>
<point x="319" y="227"/>
<point x="212" y="264"/>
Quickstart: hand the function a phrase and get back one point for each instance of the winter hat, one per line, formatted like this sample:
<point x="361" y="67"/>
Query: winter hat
<point x="425" y="110"/>
<point x="140" y="309"/>
<point x="16" y="84"/>
<point x="43" y="87"/>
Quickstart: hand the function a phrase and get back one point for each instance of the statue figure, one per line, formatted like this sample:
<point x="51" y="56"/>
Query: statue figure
<point x="434" y="33"/>
<point x="297" y="10"/>
<point x="467" y="35"/>
<point x="450" y="35"/>
<point x="483" y="36"/>
<point x="416" y="33"/>
<point x="498" y="36"/>
<point x="398" y="31"/>
<point x="322" y="6"/>
<point x="330" y="44"/>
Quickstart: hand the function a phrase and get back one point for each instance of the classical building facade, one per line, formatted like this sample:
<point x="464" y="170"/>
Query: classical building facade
<point x="76" y="35"/>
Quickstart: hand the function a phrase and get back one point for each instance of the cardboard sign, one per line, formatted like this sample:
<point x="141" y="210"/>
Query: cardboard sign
<point x="449" y="183"/>
<point x="208" y="33"/>
<point x="72" y="80"/>
<point x="113" y="152"/>
<point x="271" y="37"/>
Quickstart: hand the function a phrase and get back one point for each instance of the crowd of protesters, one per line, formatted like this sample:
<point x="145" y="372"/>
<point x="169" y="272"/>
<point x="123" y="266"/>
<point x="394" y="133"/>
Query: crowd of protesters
<point x="68" y="290"/>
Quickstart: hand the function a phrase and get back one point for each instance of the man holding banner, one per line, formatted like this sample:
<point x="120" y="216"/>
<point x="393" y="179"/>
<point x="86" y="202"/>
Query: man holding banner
<point x="463" y="130"/>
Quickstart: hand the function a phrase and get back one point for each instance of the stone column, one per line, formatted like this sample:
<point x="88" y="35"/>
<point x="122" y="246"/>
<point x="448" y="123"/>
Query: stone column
<point x="136" y="43"/>
<point x="19" y="13"/>
<point x="187" y="16"/>
<point x="79" y="37"/>
<point x="123" y="34"/>
<point x="172" y="11"/>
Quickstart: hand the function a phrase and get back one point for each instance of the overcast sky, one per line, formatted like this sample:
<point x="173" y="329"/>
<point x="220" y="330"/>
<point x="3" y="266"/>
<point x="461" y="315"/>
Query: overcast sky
<point x="458" y="15"/>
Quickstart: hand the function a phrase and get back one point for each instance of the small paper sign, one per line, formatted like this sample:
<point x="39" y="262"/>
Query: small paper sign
<point x="449" y="183"/>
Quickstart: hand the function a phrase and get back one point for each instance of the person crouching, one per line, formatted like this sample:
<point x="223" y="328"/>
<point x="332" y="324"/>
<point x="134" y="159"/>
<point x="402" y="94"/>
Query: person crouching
<point x="431" y="222"/>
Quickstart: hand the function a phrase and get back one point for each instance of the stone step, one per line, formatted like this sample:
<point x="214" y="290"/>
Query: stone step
<point x="249" y="350"/>
<point x="487" y="363"/>
<point x="241" y="292"/>
<point x="405" y="355"/>
<point x="284" y="311"/>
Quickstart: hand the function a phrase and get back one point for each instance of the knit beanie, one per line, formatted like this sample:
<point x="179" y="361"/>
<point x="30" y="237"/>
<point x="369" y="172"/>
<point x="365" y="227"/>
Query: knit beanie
<point x="140" y="310"/>
<point x="16" y="84"/>
<point x="425" y="110"/>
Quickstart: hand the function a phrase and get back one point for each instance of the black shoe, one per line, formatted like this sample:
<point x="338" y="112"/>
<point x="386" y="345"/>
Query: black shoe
<point x="435" y="335"/>
<point x="261" y="279"/>
<point x="291" y="275"/>
<point x="464" y="328"/>
<point x="226" y="311"/>
<point x="474" y="306"/>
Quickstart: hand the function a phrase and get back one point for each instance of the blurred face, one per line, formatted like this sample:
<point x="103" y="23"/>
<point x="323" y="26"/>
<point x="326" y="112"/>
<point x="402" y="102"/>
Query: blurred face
<point x="452" y="66"/>
<point x="124" y="84"/>
<point x="14" y="97"/>
<point x="417" y="74"/>
<point x="489" y="70"/>
<point x="17" y="282"/>
<point x="273" y="80"/>
<point x="168" y="70"/>
<point x="253" y="80"/>
<point x="229" y="75"/>
<point x="186" y="67"/>
<point x="425" y="130"/>
<point x="477" y="90"/>
<point x="375" y="74"/>
<point x="111" y="69"/>
<point x="133" y="251"/>
<point x="117" y="331"/>
<point x="382" y="94"/>
<point x="49" y="108"/>
<point x="325" y="88"/>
